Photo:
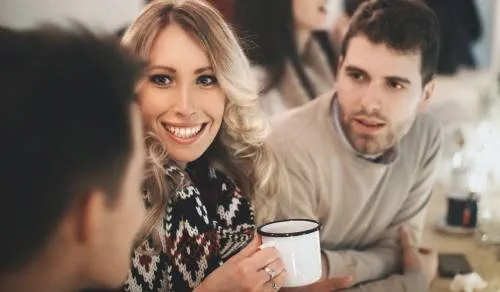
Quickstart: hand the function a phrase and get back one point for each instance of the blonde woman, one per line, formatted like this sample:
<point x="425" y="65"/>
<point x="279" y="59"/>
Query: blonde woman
<point x="199" y="104"/>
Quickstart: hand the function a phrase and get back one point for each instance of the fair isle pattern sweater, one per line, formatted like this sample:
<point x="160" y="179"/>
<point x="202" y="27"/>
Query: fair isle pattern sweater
<point x="194" y="241"/>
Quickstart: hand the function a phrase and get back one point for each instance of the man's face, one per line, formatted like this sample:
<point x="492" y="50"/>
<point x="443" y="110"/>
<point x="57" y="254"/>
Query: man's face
<point x="380" y="93"/>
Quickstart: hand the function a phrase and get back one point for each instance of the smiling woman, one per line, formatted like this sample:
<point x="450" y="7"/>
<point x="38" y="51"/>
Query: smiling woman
<point x="208" y="164"/>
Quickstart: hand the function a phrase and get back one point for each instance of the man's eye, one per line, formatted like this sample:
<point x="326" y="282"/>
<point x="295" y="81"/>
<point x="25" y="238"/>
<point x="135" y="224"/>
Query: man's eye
<point x="356" y="76"/>
<point x="395" y="85"/>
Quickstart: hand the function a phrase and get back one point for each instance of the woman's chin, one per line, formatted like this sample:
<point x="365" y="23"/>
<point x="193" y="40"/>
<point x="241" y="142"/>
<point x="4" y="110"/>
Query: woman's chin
<point x="184" y="157"/>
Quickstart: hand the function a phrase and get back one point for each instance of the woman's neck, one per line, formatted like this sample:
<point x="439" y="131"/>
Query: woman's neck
<point x="181" y="164"/>
<point x="302" y="36"/>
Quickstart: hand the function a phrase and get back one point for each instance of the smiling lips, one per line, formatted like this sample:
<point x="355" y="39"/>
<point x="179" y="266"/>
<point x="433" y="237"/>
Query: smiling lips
<point x="185" y="134"/>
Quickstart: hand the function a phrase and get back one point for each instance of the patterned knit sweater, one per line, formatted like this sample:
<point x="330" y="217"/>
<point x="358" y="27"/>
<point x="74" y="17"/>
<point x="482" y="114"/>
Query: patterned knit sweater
<point x="206" y="221"/>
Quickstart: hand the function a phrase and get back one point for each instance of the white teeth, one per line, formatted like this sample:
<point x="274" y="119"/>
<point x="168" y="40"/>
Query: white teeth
<point x="184" y="133"/>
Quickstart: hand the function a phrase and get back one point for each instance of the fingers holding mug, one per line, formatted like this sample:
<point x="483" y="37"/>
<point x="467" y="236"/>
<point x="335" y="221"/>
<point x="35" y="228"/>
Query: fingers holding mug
<point x="276" y="283"/>
<point x="271" y="271"/>
<point x="263" y="257"/>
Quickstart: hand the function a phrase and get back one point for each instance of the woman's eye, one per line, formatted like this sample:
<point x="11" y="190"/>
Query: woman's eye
<point x="206" y="80"/>
<point x="160" y="79"/>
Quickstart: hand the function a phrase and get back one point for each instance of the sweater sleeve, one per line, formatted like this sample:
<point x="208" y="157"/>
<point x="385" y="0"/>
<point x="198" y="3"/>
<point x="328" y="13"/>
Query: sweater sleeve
<point x="384" y="258"/>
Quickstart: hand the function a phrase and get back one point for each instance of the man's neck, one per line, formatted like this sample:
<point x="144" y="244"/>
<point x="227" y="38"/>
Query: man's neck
<point x="40" y="277"/>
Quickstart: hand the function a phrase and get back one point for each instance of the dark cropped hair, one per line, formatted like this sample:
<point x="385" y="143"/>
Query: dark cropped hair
<point x="66" y="127"/>
<point x="267" y="27"/>
<point x="403" y="25"/>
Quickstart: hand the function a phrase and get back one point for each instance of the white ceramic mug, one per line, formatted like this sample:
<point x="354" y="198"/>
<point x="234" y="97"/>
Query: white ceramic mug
<point x="297" y="241"/>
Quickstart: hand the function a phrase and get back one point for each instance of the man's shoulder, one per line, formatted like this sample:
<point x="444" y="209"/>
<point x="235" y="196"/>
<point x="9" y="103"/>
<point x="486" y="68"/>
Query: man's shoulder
<point x="424" y="137"/>
<point x="427" y="128"/>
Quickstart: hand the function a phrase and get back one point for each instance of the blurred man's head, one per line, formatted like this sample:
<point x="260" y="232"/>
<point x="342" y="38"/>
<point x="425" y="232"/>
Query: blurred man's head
<point x="72" y="153"/>
<point x="385" y="75"/>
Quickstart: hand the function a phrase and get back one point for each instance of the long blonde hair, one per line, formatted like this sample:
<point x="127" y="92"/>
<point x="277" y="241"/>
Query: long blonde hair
<point x="240" y="148"/>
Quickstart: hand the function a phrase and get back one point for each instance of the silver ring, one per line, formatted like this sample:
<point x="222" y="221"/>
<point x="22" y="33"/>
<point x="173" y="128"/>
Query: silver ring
<point x="271" y="273"/>
<point x="275" y="286"/>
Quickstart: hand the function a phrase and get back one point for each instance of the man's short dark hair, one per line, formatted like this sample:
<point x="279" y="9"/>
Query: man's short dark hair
<point x="66" y="125"/>
<point x="403" y="25"/>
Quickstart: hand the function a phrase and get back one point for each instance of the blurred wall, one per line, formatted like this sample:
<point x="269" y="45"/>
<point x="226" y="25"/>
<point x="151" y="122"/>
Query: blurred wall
<point x="495" y="53"/>
<point x="110" y="15"/>
<point x="484" y="48"/>
<point x="106" y="15"/>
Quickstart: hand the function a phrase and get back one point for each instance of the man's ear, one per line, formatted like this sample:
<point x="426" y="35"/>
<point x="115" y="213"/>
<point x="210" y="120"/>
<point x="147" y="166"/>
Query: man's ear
<point x="92" y="217"/>
<point x="427" y="94"/>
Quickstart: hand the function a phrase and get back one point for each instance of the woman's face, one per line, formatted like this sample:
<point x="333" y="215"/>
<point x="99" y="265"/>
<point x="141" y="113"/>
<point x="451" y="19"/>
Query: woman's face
<point x="310" y="14"/>
<point x="181" y="101"/>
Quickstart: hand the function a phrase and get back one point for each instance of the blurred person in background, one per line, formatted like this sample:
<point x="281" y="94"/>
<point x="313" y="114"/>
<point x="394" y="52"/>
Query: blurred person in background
<point x="287" y="42"/>
<point x="73" y="154"/>
<point x="461" y="28"/>
<point x="342" y="23"/>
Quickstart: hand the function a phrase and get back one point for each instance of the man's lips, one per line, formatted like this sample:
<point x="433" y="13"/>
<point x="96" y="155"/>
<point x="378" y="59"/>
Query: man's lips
<point x="370" y="122"/>
<point x="368" y="126"/>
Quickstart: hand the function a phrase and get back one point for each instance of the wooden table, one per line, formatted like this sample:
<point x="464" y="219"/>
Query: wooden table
<point x="484" y="259"/>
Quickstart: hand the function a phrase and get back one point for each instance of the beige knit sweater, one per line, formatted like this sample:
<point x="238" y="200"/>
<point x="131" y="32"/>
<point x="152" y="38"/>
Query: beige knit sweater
<point x="360" y="204"/>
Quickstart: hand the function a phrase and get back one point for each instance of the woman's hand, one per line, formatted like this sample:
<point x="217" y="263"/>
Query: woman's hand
<point x="249" y="270"/>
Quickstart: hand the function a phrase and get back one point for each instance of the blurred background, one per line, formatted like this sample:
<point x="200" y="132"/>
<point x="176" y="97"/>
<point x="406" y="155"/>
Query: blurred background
<point x="111" y="15"/>
<point x="467" y="103"/>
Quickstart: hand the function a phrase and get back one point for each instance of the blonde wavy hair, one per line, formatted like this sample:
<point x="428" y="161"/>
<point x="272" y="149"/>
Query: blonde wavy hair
<point x="239" y="150"/>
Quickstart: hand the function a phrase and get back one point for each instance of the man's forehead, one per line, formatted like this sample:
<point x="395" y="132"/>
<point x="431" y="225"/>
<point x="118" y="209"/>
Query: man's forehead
<point x="379" y="59"/>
